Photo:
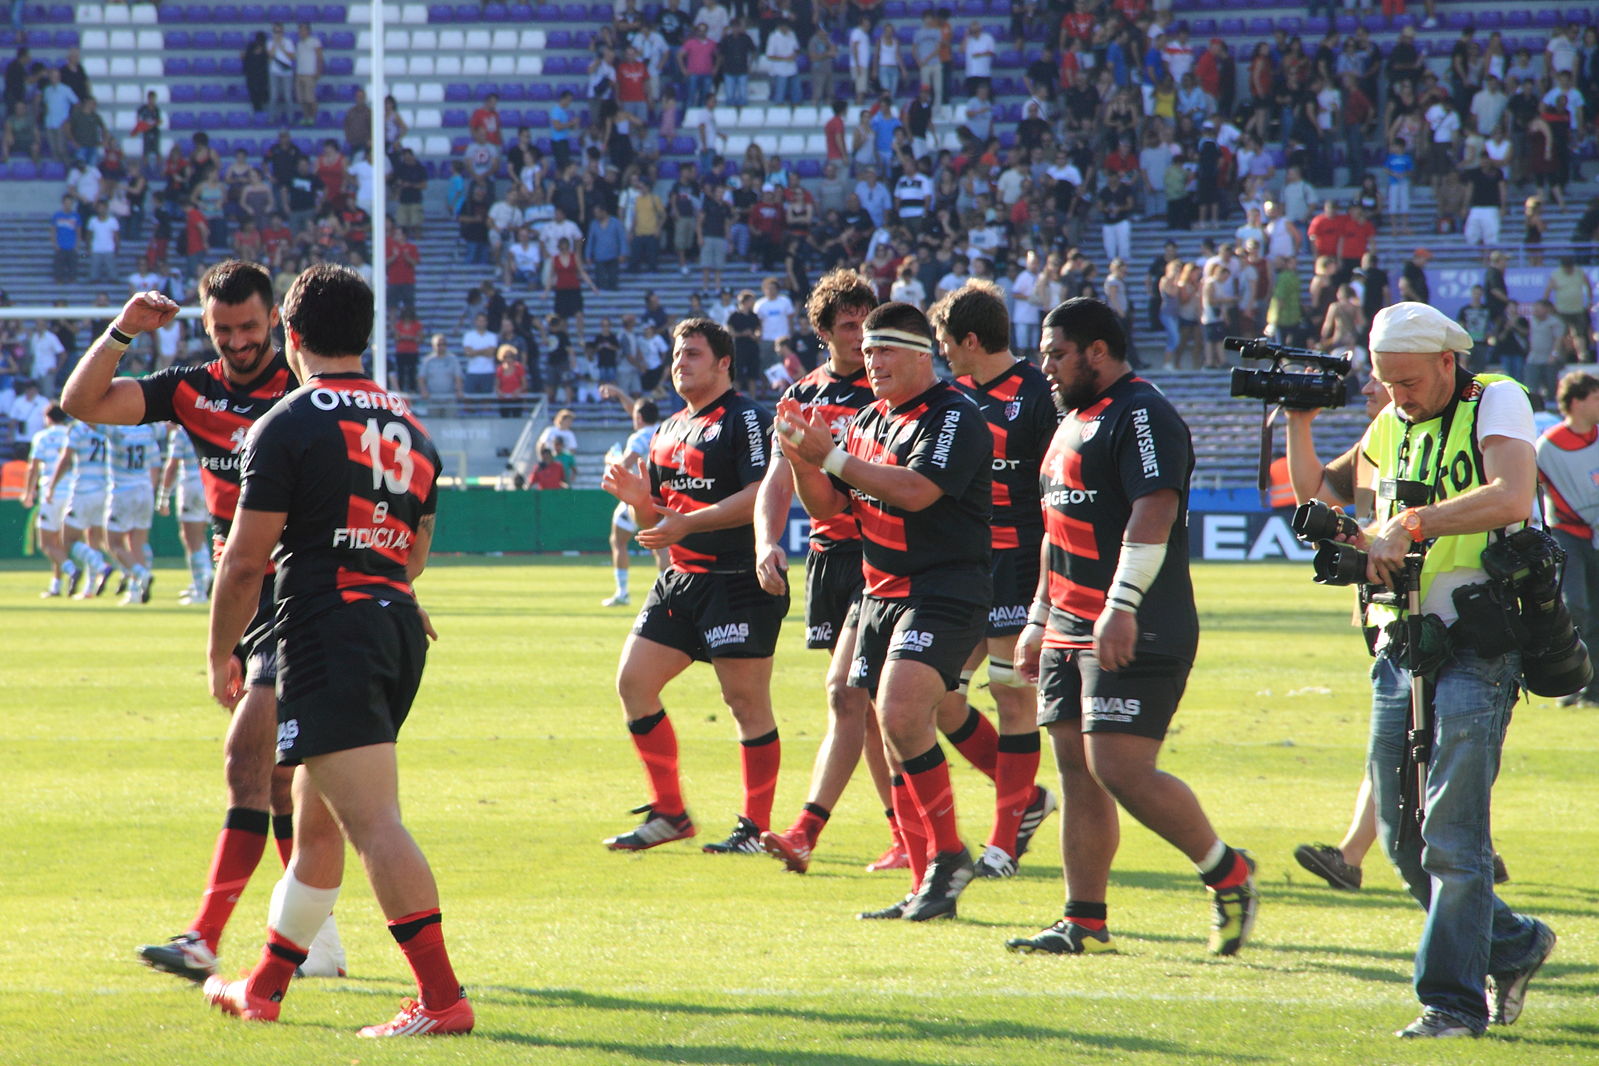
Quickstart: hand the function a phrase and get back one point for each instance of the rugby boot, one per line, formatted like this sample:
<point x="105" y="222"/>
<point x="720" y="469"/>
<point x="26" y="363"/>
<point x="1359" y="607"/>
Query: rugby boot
<point x="995" y="863"/>
<point x="745" y="839"/>
<point x="948" y="874"/>
<point x="792" y="849"/>
<point x="895" y="858"/>
<point x="233" y="997"/>
<point x="1042" y="806"/>
<point x="1065" y="938"/>
<point x="184" y="955"/>
<point x="656" y="829"/>
<point x="1233" y="917"/>
<point x="416" y="1020"/>
<point x="891" y="912"/>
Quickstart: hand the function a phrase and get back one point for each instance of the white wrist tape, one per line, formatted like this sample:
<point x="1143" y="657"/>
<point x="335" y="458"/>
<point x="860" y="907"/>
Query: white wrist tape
<point x="1038" y="614"/>
<point x="834" y="463"/>
<point x="1135" y="572"/>
<point x="790" y="432"/>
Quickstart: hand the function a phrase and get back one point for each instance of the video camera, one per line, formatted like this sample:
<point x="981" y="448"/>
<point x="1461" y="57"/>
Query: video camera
<point x="1303" y="390"/>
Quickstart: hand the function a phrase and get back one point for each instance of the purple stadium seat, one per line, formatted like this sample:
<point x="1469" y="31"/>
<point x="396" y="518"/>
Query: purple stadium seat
<point x="1202" y="27"/>
<point x="601" y="12"/>
<point x="279" y="13"/>
<point x="63" y="13"/>
<point x="250" y="14"/>
<point x="232" y="40"/>
<point x="181" y="120"/>
<point x="184" y="93"/>
<point x="1260" y="27"/>
<point x="511" y="118"/>
<point x="540" y="92"/>
<point x="1291" y="24"/>
<point x="344" y="92"/>
<point x="441" y="13"/>
<point x="65" y="39"/>
<point x="558" y="39"/>
<point x="232" y="66"/>
<point x="1347" y="24"/>
<point x="524" y="13"/>
<point x="225" y="13"/>
<point x="1457" y="20"/>
<point x="454" y="117"/>
<point x="1519" y="18"/>
<point x="206" y="39"/>
<point x="894" y="9"/>
<point x="483" y="88"/>
<point x="1007" y="139"/>
<point x="574" y="13"/>
<point x="24" y="169"/>
<point x="341" y="40"/>
<point x="1490" y="20"/>
<point x="206" y="67"/>
<point x="341" y="66"/>
<point x="177" y="68"/>
<point x="209" y="120"/>
<point x="457" y="93"/>
<point x="239" y="120"/>
<point x="212" y="93"/>
<point x="1008" y="58"/>
<point x="335" y="13"/>
<point x="1401" y="21"/>
<point x="1232" y="27"/>
<point x="1547" y="18"/>
<point x="176" y="13"/>
<point x="538" y="118"/>
<point x="37" y="38"/>
<point x="307" y="12"/>
<point x="222" y="145"/>
<point x="668" y="168"/>
<point x="544" y="144"/>
<point x="971" y="8"/>
<point x="468" y="13"/>
<point x="547" y="13"/>
<point x="495" y="13"/>
<point x="458" y="145"/>
<point x="175" y="39"/>
<point x="574" y="88"/>
<point x="809" y="168"/>
<point x="513" y="91"/>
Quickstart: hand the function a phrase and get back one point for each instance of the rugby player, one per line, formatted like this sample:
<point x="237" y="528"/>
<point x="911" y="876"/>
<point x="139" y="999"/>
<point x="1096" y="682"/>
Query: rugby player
<point x="1112" y="631"/>
<point x="974" y="334"/>
<point x="131" y="506"/>
<point x="914" y="468"/>
<point x="646" y="415"/>
<point x="85" y="461"/>
<point x="837" y="389"/>
<point x="696" y="497"/>
<point x="216" y="403"/>
<point x="43" y="451"/>
<point x="182" y="467"/>
<point x="339" y="484"/>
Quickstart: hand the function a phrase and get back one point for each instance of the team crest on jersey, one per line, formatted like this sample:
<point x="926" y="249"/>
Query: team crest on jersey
<point x="1012" y="409"/>
<point x="1473" y="392"/>
<point x="1089" y="429"/>
<point x="711" y="432"/>
<point x="236" y="441"/>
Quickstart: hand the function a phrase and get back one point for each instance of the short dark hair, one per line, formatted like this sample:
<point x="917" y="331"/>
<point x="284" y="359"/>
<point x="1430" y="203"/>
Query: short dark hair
<point x="720" y="340"/>
<point x="234" y="281"/>
<point x="330" y="308"/>
<point x="838" y="290"/>
<point x="648" y="410"/>
<point x="977" y="307"/>
<point x="1577" y="385"/>
<point x="55" y="414"/>
<point x="903" y="316"/>
<point x="1084" y="320"/>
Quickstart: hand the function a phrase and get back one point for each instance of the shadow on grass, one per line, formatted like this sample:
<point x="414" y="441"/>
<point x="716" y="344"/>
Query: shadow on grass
<point x="883" y="1025"/>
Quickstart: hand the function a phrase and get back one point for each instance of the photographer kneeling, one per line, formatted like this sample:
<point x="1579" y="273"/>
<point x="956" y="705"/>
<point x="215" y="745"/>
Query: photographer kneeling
<point x="1452" y="463"/>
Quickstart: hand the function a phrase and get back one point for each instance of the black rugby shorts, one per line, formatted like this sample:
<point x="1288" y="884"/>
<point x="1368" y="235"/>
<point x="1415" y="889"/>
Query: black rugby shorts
<point x="259" y="651"/>
<point x="1139" y="699"/>
<point x="1015" y="573"/>
<point x="833" y="583"/>
<point x="346" y="679"/>
<point x="931" y="629"/>
<point x="712" y="616"/>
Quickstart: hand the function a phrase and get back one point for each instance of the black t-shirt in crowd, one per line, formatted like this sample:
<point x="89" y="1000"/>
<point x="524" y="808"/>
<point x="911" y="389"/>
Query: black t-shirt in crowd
<point x="1020" y="408"/>
<point x="702" y="457"/>
<point x="942" y="550"/>
<point x="1484" y="187"/>
<point x="355" y="472"/>
<point x="1128" y="443"/>
<point x="607" y="348"/>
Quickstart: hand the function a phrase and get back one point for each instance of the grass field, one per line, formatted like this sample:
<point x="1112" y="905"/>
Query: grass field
<point x="515" y="765"/>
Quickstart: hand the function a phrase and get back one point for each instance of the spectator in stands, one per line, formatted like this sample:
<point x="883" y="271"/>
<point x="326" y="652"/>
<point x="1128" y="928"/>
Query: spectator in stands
<point x="926" y="47"/>
<point x="860" y="58"/>
<point x="550" y="473"/>
<point x="888" y="60"/>
<point x="64" y="225"/>
<point x="647" y="218"/>
<point x="1399" y="165"/>
<point x="979" y="49"/>
<point x="510" y="380"/>
<point x="1570" y="295"/>
<point x="1413" y="284"/>
<point x="1285" y="311"/>
<point x="17" y="77"/>
<point x="734" y="54"/>
<point x="782" y="63"/>
<point x="441" y="382"/>
<point x="407" y="348"/>
<point x="487" y="119"/>
<point x="358" y="124"/>
<point x="103" y="244"/>
<point x="1544" y="360"/>
<point x="45" y="353"/>
<point x="21" y="134"/>
<point x="257" y="63"/>
<point x="88" y="131"/>
<point x="473" y="223"/>
<point x="698" y="57"/>
<point x="478" y="347"/>
<point x="58" y="102"/>
<point x="606" y="247"/>
<point x="482" y="159"/>
<point x="523" y="261"/>
<point x="1486" y="203"/>
<point x="567" y="278"/>
<point x="308" y="67"/>
<point x="281" y="53"/>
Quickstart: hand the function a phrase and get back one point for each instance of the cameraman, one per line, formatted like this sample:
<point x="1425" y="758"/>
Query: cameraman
<point x="1467" y="444"/>
<point x="1568" y="454"/>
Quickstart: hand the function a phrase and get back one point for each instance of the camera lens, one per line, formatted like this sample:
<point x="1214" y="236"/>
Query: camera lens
<point x="1314" y="521"/>
<point x="1559" y="671"/>
<point x="1339" y="564"/>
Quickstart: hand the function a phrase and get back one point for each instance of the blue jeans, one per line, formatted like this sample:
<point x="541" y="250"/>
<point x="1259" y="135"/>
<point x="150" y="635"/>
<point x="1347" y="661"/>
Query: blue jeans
<point x="786" y="89"/>
<point x="1468" y="932"/>
<point x="698" y="86"/>
<point x="735" y="89"/>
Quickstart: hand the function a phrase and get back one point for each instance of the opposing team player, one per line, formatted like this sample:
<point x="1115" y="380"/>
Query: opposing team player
<point x="1112" y="631"/>
<point x="339" y="485"/>
<point x="836" y="390"/>
<point x="43" y="451"/>
<point x="135" y="468"/>
<point x="914" y="468"/>
<point x="216" y="403"/>
<point x="646" y="416"/>
<point x="696" y="497"/>
<point x="85" y="465"/>
<point x="974" y="333"/>
<point x="182" y="467"/>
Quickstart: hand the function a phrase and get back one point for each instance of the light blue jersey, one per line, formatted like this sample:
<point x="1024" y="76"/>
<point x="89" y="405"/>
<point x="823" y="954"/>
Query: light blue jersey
<point x="91" y="457"/>
<point x="181" y="448"/>
<point x="46" y="449"/>
<point x="135" y="451"/>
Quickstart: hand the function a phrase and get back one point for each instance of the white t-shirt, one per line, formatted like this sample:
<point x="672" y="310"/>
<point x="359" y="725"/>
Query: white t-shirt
<point x="167" y="339"/>
<point x="138" y="281"/>
<point x="1562" y="52"/>
<point x="46" y="350"/>
<point x="1024" y="313"/>
<point x="30" y="412"/>
<point x="860" y="49"/>
<point x="775" y="314"/>
<point x="307" y="53"/>
<point x="103" y="234"/>
<point x="1503" y="411"/>
<point x="782" y="53"/>
<point x="85" y="182"/>
<point x="473" y="338"/>
<point x="526" y="257"/>
<point x="979" y="55"/>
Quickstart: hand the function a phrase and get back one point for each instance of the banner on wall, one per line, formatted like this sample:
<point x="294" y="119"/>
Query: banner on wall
<point x="1451" y="288"/>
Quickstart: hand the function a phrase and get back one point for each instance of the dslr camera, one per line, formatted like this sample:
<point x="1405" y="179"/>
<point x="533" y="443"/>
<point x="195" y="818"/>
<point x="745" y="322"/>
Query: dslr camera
<point x="1321" y="385"/>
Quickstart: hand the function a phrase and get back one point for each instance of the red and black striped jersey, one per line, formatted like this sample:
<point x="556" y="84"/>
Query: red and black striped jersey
<point x="1128" y="443"/>
<point x="217" y="414"/>
<point x="942" y="550"/>
<point x="1022" y="416"/>
<point x="838" y="399"/>
<point x="355" y="472"/>
<point x="702" y="457"/>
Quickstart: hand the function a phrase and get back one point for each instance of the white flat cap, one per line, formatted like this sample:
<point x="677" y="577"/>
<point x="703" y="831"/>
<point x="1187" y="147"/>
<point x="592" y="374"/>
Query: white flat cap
<point x="1417" y="327"/>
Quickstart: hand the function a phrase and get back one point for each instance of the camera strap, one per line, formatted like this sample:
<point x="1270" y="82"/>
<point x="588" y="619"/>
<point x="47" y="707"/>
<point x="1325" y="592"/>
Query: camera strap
<point x="1268" y="417"/>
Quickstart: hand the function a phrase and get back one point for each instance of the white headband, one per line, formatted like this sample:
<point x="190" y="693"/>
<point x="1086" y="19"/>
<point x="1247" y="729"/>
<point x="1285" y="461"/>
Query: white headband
<point x="896" y="338"/>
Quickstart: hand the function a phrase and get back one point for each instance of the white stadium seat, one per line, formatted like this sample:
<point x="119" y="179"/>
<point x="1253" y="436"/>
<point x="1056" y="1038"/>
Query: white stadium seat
<point x="123" y="67"/>
<point x="414" y="14"/>
<point x="531" y="41"/>
<point x="419" y="67"/>
<point x="90" y="15"/>
<point x="358" y="14"/>
<point x="396" y="40"/>
<point x="726" y="118"/>
<point x="430" y="93"/>
<point x="394" y="66"/>
<point x="404" y="92"/>
<point x="149" y="41"/>
<point x="424" y="40"/>
<point x="150" y="67"/>
<point x="117" y="15"/>
<point x="736" y="144"/>
<point x="95" y="40"/>
<point x="447" y="67"/>
<point x="133" y="147"/>
<point x="363" y="41"/>
<point x="363" y="65"/>
<point x="816" y="144"/>
<point x="163" y="94"/>
<point x="436" y="145"/>
<point x="142" y="14"/>
<point x="478" y="41"/>
<point x="97" y="67"/>
<point x="504" y="41"/>
<point x="502" y="65"/>
<point x="791" y="144"/>
<point x="428" y="118"/>
<point x="807" y="117"/>
<point x="452" y="40"/>
<point x="474" y="65"/>
<point x="529" y="66"/>
<point x="123" y="93"/>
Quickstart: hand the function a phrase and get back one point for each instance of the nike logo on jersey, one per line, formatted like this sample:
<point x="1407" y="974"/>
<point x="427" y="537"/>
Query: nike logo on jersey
<point x="243" y="409"/>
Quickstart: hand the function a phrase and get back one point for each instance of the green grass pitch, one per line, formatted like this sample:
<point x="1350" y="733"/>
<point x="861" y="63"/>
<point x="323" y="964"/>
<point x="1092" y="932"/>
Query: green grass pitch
<point x="515" y="764"/>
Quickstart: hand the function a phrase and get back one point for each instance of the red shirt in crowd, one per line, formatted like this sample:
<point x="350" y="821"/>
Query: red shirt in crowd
<point x="767" y="220"/>
<point x="403" y="257"/>
<point x="408" y="336"/>
<point x="632" y="82"/>
<point x="835" y="137"/>
<point x="1325" y="232"/>
<point x="1357" y="236"/>
<point x="488" y="121"/>
<point x="274" y="238"/>
<point x="1079" y="24"/>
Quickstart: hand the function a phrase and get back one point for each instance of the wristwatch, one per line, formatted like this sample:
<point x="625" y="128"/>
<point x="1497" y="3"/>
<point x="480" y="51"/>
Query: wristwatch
<point x="1410" y="518"/>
